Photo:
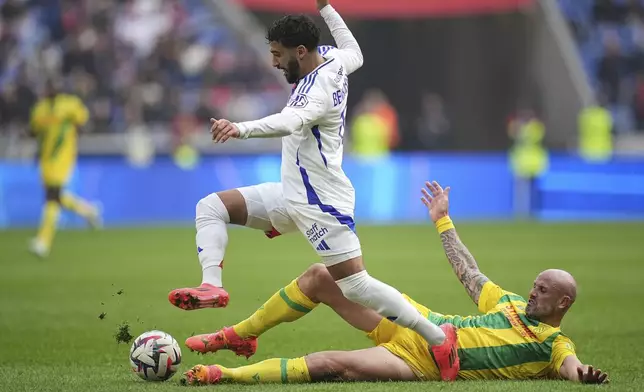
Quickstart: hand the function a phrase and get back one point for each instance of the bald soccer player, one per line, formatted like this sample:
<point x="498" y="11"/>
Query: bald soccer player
<point x="514" y="338"/>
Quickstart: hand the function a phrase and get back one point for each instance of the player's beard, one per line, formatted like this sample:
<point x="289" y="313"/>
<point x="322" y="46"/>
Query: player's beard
<point x="536" y="311"/>
<point x="292" y="71"/>
<point x="530" y="310"/>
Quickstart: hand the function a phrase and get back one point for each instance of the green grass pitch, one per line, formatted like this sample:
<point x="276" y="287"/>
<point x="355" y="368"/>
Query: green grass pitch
<point x="51" y="337"/>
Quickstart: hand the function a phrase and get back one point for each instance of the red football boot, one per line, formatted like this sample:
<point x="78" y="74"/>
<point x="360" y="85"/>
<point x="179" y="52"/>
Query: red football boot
<point x="224" y="339"/>
<point x="204" y="296"/>
<point x="446" y="355"/>
<point x="202" y="375"/>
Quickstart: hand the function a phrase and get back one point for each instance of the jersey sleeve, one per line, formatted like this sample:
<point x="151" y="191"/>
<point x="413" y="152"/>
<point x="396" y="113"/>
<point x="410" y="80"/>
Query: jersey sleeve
<point x="562" y="348"/>
<point x="348" y="51"/>
<point x="305" y="107"/>
<point x="491" y="294"/>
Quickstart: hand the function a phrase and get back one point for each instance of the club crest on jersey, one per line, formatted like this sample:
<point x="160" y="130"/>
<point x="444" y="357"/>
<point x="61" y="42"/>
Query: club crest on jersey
<point x="298" y="101"/>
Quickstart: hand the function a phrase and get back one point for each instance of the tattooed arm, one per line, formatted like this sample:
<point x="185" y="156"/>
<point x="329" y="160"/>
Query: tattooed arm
<point x="463" y="264"/>
<point x="459" y="257"/>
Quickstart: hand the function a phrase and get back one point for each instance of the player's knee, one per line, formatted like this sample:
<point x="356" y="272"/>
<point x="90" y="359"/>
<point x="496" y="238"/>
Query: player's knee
<point x="52" y="193"/>
<point x="317" y="272"/>
<point x="355" y="287"/>
<point x="230" y="205"/>
<point x="211" y="207"/>
<point x="314" y="280"/>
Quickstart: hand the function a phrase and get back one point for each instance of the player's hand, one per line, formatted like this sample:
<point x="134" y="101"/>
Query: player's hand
<point x="322" y="3"/>
<point x="222" y="130"/>
<point x="436" y="200"/>
<point x="588" y="375"/>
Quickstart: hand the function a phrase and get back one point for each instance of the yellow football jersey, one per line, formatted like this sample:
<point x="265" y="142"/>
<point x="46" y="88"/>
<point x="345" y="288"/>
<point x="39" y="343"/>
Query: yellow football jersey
<point x="55" y="121"/>
<point x="501" y="344"/>
<point x="504" y="343"/>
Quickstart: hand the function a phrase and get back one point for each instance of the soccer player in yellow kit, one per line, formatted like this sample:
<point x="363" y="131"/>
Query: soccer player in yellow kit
<point x="54" y="121"/>
<point x="514" y="338"/>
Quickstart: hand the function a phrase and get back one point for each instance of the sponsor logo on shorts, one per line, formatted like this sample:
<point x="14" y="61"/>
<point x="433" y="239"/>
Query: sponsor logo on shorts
<point x="315" y="233"/>
<point x="323" y="246"/>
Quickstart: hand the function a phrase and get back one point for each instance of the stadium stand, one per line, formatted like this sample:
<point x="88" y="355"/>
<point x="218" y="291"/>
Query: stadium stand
<point x="154" y="61"/>
<point x="610" y="34"/>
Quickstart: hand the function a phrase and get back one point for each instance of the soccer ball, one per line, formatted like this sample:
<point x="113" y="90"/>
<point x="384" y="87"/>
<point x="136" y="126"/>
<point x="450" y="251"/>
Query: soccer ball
<point x="155" y="356"/>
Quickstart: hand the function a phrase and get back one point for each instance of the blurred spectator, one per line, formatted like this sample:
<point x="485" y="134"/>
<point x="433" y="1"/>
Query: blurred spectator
<point x="383" y="108"/>
<point x="11" y="10"/>
<point x="433" y="124"/>
<point x="611" y="11"/>
<point x="159" y="55"/>
<point x="16" y="100"/>
<point x="610" y="34"/>
<point x="376" y="102"/>
<point x="595" y="132"/>
<point x="529" y="158"/>
<point x="140" y="146"/>
<point x="374" y="129"/>
<point x="613" y="68"/>
<point x="638" y="103"/>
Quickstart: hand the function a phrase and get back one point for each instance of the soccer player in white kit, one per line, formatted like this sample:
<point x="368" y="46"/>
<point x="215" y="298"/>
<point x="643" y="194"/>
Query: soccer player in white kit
<point x="314" y="195"/>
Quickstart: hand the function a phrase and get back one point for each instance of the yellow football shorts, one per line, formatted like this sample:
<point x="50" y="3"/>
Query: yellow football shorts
<point x="407" y="345"/>
<point x="55" y="174"/>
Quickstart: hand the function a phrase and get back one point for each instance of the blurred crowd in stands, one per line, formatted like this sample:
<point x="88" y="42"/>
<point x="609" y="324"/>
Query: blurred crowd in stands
<point x="141" y="64"/>
<point x="610" y="34"/>
<point x="133" y="62"/>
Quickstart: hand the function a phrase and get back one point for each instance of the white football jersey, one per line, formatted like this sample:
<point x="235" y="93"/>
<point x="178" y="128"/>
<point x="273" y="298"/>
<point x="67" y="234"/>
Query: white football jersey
<point x="312" y="157"/>
<point x="312" y="126"/>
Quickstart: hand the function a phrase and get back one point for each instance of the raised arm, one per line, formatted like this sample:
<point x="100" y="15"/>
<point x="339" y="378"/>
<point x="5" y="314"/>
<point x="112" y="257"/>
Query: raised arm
<point x="350" y="53"/>
<point x="463" y="263"/>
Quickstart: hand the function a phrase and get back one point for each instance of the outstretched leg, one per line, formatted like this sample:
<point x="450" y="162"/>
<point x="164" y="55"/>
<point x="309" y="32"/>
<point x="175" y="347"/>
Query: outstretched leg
<point x="372" y="364"/>
<point x="318" y="285"/>
<point x="313" y="287"/>
<point x="81" y="207"/>
<point x="288" y="304"/>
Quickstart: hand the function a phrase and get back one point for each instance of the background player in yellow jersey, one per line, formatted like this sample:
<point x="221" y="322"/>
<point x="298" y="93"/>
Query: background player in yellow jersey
<point x="513" y="338"/>
<point x="55" y="120"/>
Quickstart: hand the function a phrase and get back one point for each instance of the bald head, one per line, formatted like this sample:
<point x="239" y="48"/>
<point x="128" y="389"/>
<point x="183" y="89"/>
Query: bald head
<point x="562" y="281"/>
<point x="553" y="293"/>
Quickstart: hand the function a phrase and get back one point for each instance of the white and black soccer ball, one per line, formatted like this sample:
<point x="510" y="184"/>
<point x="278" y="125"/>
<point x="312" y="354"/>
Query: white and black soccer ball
<point x="155" y="356"/>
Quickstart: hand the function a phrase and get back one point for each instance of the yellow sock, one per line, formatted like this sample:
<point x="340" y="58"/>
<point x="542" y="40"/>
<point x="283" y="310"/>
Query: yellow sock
<point x="288" y="304"/>
<point x="77" y="205"/>
<point x="48" y="223"/>
<point x="286" y="371"/>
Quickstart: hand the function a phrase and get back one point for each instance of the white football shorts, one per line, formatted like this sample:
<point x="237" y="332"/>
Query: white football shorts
<point x="331" y="232"/>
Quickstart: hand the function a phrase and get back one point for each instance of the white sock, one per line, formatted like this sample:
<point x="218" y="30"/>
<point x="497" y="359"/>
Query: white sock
<point x="212" y="275"/>
<point x="389" y="303"/>
<point x="212" y="237"/>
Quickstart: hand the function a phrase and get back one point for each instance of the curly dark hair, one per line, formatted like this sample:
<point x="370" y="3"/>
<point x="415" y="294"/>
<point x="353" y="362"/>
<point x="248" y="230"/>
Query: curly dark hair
<point x="293" y="31"/>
